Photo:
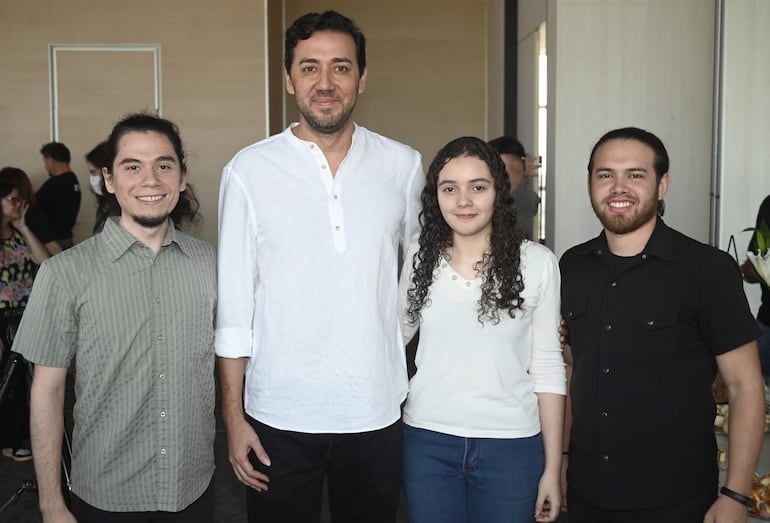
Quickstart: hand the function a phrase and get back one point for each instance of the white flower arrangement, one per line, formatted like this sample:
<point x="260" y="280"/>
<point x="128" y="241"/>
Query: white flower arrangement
<point x="761" y="258"/>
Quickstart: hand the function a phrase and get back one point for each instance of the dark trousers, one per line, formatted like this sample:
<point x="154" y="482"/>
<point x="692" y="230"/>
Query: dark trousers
<point x="691" y="509"/>
<point x="14" y="406"/>
<point x="200" y="511"/>
<point x="362" y="471"/>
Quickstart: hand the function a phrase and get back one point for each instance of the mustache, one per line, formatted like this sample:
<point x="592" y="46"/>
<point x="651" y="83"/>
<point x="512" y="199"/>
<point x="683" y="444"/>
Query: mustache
<point x="324" y="93"/>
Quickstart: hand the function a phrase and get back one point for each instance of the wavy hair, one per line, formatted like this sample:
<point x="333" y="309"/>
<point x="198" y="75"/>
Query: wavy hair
<point x="186" y="211"/>
<point x="500" y="270"/>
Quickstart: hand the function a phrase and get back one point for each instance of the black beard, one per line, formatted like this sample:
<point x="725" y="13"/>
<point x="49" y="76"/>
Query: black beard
<point x="626" y="224"/>
<point x="150" y="222"/>
<point x="327" y="126"/>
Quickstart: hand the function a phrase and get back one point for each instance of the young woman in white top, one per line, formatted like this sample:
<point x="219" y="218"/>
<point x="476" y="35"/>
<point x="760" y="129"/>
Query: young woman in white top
<point x="485" y="410"/>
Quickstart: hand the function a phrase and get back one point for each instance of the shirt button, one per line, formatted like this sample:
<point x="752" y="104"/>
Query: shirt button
<point x="163" y="414"/>
<point x="162" y="375"/>
<point x="160" y="337"/>
<point x="614" y="284"/>
<point x="650" y="323"/>
<point x="312" y="145"/>
<point x="337" y="227"/>
<point x="467" y="284"/>
<point x="162" y="452"/>
<point x="605" y="457"/>
<point x="157" y="299"/>
<point x="606" y="370"/>
<point x="454" y="276"/>
<point x="323" y="166"/>
<point x="608" y="327"/>
<point x="604" y="414"/>
<point x="644" y="256"/>
<point x="334" y="196"/>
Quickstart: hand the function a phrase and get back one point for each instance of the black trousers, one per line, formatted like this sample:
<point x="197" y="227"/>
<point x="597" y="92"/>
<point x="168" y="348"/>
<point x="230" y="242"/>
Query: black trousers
<point x="14" y="406"/>
<point x="690" y="509"/>
<point x="200" y="511"/>
<point x="362" y="471"/>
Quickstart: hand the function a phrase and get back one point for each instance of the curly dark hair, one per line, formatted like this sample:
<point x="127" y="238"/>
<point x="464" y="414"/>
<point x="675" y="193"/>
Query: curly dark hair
<point x="500" y="266"/>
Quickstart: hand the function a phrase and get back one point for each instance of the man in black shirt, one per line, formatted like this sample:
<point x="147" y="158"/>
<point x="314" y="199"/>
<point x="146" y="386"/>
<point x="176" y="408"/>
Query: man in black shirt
<point x="59" y="197"/>
<point x="652" y="315"/>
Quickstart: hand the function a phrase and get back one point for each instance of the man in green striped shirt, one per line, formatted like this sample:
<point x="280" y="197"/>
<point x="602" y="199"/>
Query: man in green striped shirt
<point x="134" y="306"/>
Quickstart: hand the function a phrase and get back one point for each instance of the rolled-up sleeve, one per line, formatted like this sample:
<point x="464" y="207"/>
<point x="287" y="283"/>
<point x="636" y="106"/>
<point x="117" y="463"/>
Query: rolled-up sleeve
<point x="548" y="369"/>
<point x="237" y="268"/>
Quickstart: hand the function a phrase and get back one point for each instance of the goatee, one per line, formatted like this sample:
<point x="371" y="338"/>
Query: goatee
<point x="150" y="222"/>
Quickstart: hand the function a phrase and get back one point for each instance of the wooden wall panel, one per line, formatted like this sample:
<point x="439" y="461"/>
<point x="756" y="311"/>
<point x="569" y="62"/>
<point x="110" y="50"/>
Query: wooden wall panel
<point x="427" y="68"/>
<point x="212" y="77"/>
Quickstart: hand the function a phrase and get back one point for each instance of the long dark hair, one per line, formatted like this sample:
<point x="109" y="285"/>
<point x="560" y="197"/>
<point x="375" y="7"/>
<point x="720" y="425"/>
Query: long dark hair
<point x="186" y="210"/>
<point x="500" y="266"/>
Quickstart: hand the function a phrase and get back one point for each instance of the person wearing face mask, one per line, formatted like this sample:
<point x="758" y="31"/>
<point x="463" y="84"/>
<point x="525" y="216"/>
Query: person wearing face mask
<point x="95" y="161"/>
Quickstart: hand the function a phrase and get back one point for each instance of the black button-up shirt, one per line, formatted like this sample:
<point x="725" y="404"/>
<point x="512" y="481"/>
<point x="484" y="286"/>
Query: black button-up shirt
<point x="644" y="333"/>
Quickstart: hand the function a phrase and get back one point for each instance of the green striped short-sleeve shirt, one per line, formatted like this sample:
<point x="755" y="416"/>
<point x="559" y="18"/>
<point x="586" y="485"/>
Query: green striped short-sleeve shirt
<point x="140" y="327"/>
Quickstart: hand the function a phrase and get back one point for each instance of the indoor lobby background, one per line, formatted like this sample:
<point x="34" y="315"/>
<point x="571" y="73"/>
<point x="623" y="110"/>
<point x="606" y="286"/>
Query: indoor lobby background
<point x="695" y="72"/>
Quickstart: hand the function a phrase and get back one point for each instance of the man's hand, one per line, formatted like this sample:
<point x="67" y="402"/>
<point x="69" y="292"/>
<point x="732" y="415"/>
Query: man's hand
<point x="241" y="439"/>
<point x="726" y="510"/>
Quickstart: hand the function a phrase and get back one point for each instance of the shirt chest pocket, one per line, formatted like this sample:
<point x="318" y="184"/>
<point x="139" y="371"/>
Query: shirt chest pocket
<point x="654" y="332"/>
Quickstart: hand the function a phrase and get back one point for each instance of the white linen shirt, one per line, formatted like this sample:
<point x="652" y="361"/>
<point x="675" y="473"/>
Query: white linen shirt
<point x="308" y="279"/>
<point x="481" y="381"/>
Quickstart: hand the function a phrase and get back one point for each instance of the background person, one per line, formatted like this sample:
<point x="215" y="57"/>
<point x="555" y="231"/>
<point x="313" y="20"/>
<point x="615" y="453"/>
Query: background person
<point x="484" y="416"/>
<point x="59" y="196"/>
<point x="525" y="197"/>
<point x="21" y="253"/>
<point x="34" y="218"/>
<point x="96" y="160"/>
<point x="750" y="275"/>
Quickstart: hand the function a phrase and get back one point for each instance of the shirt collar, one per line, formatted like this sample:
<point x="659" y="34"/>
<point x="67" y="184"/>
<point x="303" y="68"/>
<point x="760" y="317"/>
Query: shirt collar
<point x="659" y="245"/>
<point x="288" y="130"/>
<point x="118" y="241"/>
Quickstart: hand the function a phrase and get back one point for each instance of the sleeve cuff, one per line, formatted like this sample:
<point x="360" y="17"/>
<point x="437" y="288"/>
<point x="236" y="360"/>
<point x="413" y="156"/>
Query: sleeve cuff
<point x="233" y="342"/>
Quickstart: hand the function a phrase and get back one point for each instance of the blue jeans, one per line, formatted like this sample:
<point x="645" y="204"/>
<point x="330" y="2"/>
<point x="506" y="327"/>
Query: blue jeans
<point x="452" y="479"/>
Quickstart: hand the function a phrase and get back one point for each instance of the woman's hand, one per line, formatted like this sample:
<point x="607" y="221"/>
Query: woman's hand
<point x="548" y="503"/>
<point x="20" y="223"/>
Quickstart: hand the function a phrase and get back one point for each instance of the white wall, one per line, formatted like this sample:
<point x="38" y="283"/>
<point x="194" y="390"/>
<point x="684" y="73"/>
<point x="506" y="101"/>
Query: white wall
<point x="744" y="134"/>
<point x="615" y="63"/>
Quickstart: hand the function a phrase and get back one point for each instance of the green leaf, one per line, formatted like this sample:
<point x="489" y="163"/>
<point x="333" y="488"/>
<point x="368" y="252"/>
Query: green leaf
<point x="761" y="237"/>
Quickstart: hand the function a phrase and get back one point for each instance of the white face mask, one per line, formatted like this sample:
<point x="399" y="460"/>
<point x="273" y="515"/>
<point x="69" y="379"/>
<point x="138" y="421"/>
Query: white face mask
<point x="96" y="184"/>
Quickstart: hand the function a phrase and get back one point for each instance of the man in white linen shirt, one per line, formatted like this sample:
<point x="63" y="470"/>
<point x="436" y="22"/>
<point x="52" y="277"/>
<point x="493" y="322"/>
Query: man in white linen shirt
<point x="310" y="221"/>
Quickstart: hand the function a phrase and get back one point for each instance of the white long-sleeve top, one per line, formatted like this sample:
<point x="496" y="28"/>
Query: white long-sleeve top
<point x="308" y="285"/>
<point x="482" y="381"/>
